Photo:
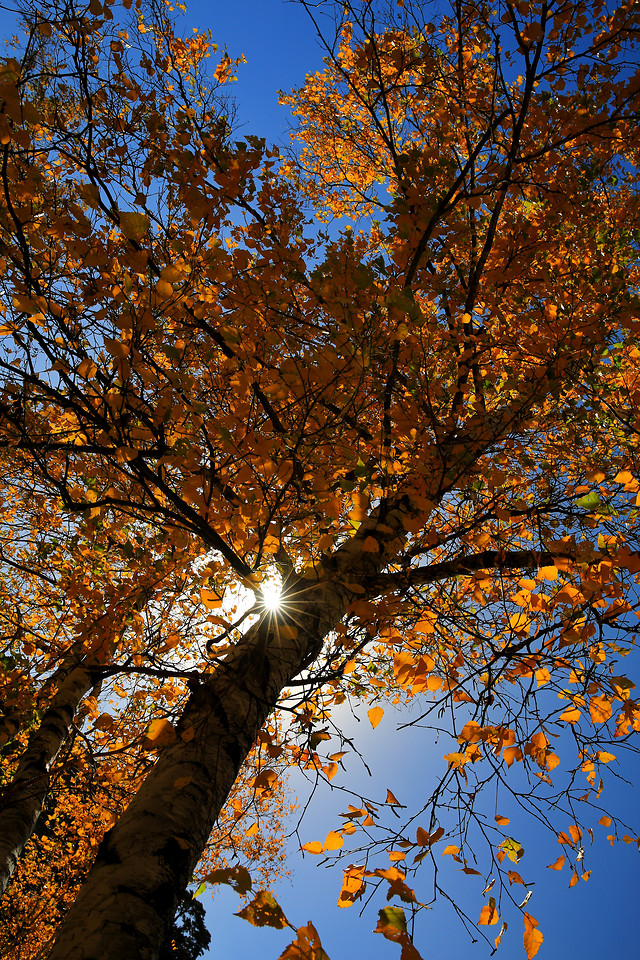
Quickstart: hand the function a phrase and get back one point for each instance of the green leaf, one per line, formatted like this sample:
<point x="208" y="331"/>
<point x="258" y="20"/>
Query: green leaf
<point x="512" y="849"/>
<point x="589" y="501"/>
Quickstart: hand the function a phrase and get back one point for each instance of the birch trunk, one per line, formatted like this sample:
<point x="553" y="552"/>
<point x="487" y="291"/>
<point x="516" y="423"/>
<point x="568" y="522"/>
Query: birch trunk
<point x="144" y="863"/>
<point x="147" y="859"/>
<point x="23" y="799"/>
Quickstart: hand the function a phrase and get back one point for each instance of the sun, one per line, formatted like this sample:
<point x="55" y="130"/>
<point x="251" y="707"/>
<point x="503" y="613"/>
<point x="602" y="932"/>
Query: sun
<point x="271" y="593"/>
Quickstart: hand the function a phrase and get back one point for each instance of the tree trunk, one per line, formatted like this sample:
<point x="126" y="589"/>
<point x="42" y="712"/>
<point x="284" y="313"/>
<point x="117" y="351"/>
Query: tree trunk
<point x="23" y="799"/>
<point x="147" y="859"/>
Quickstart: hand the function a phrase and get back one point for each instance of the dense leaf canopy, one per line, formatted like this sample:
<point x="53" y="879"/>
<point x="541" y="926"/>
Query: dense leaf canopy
<point x="394" y="368"/>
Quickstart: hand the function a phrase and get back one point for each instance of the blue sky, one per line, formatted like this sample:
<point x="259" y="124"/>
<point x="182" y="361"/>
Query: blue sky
<point x="592" y="919"/>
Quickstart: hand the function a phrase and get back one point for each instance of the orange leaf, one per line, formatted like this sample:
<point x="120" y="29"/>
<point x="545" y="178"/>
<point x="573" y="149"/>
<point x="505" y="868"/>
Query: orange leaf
<point x="532" y="936"/>
<point x="599" y="709"/>
<point x="352" y="886"/>
<point x="489" y="914"/>
<point x="264" y="911"/>
<point x="370" y="545"/>
<point x="557" y="864"/>
<point x="160" y="733"/>
<point x="314" y="847"/>
<point x="334" y="841"/>
<point x="570" y="715"/>
<point x="306" y="946"/>
<point x="210" y="599"/>
<point x="422" y="837"/>
<point x="375" y="716"/>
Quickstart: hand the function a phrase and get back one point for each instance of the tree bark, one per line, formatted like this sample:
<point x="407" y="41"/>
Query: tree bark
<point x="146" y="860"/>
<point x="23" y="799"/>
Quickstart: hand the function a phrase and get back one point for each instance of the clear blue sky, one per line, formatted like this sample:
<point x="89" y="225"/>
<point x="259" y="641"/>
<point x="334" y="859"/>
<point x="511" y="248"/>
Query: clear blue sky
<point x="592" y="920"/>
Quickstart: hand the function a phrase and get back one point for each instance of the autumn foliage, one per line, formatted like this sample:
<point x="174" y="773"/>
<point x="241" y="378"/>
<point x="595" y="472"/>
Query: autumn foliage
<point x="395" y="368"/>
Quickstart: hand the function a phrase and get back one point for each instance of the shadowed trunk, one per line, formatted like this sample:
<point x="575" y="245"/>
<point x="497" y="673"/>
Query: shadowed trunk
<point x="147" y="859"/>
<point x="23" y="799"/>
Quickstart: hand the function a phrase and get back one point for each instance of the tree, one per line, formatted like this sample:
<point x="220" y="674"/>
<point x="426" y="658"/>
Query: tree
<point x="190" y="938"/>
<point x="423" y="422"/>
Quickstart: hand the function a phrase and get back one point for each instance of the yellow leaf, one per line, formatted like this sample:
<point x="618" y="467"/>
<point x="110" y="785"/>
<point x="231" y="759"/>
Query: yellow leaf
<point x="172" y="272"/>
<point x="451" y="849"/>
<point x="87" y="369"/>
<point x="375" y="716"/>
<point x="264" y="911"/>
<point x="519" y="622"/>
<point x="164" y="289"/>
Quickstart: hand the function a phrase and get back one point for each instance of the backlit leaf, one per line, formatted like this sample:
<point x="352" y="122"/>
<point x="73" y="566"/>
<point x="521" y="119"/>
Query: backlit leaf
<point x="375" y="715"/>
<point x="264" y="911"/>
<point x="489" y="913"/>
<point x="532" y="936"/>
